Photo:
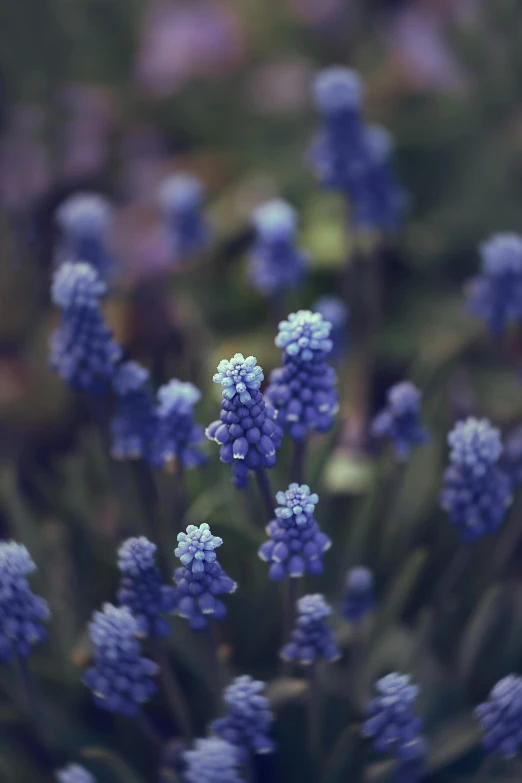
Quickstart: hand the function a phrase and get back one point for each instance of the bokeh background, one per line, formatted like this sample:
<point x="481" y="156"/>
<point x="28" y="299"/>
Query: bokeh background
<point x="113" y="95"/>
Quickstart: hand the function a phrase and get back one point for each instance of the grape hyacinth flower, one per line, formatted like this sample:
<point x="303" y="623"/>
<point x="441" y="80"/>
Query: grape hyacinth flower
<point x="134" y="424"/>
<point x="476" y="492"/>
<point x="495" y="295"/>
<point x="181" y="200"/>
<point x="248" y="718"/>
<point x="312" y="637"/>
<point x="352" y="158"/>
<point x="141" y="590"/>
<point x="334" y="310"/>
<point x="303" y="390"/>
<point x="178" y="438"/>
<point x="358" y="600"/>
<point x="201" y="578"/>
<point x="74" y="773"/>
<point x="501" y="717"/>
<point x="85" y="220"/>
<point x="120" y="678"/>
<point x="83" y="352"/>
<point x="399" y="421"/>
<point x="212" y="760"/>
<point x="246" y="432"/>
<point x="296" y="544"/>
<point x="392" y="723"/>
<point x="22" y="613"/>
<point x="275" y="264"/>
<point x="412" y="769"/>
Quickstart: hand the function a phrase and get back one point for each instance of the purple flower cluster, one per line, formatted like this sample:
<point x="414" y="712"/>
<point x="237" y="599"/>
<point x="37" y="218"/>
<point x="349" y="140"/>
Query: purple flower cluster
<point x="212" y="760"/>
<point x="133" y="426"/>
<point x="85" y="220"/>
<point x="178" y="437"/>
<point x="181" y="200"/>
<point x="248" y="717"/>
<point x="83" y="352"/>
<point x="495" y="295"/>
<point x="141" y="589"/>
<point x="392" y="723"/>
<point x="201" y="578"/>
<point x="476" y="492"/>
<point x="246" y="432"/>
<point x="312" y="637"/>
<point x="296" y="543"/>
<point x="351" y="157"/>
<point x="22" y="613"/>
<point x="275" y="263"/>
<point x="501" y="717"/>
<point x="120" y="678"/>
<point x="399" y="422"/>
<point x="74" y="773"/>
<point x="358" y="598"/>
<point x="303" y="391"/>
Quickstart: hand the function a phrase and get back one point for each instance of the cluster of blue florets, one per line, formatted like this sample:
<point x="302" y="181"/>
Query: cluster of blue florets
<point x="354" y="158"/>
<point x="476" y="492"/>
<point x="501" y="717"/>
<point x="83" y="352"/>
<point x="248" y="718"/>
<point x="74" y="773"/>
<point x="212" y="760"/>
<point x="392" y="723"/>
<point x="201" y="578"/>
<point x="22" y="613"/>
<point x="133" y="426"/>
<point x="303" y="391"/>
<point x="312" y="637"/>
<point x="296" y="543"/>
<point x="141" y="588"/>
<point x="120" y="678"/>
<point x="178" y="438"/>
<point x="334" y="310"/>
<point x="246" y="432"/>
<point x="181" y="199"/>
<point x="276" y="264"/>
<point x="495" y="295"/>
<point x="399" y="422"/>
<point x="358" y="600"/>
<point x="84" y="220"/>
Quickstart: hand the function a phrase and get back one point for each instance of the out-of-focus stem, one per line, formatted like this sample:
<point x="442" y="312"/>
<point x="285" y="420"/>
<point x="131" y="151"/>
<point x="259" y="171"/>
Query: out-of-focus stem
<point x="484" y="769"/>
<point x="291" y="593"/>
<point x="266" y="492"/>
<point x="150" y="502"/>
<point x="298" y="461"/>
<point x="314" y="718"/>
<point x="174" y="696"/>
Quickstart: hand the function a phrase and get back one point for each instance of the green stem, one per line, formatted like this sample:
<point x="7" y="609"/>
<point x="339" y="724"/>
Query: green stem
<point x="485" y="769"/>
<point x="173" y="693"/>
<point x="298" y="461"/>
<point x="314" y="718"/>
<point x="266" y="492"/>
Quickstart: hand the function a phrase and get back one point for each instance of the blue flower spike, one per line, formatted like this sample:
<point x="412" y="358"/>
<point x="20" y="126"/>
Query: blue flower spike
<point x="212" y="760"/>
<point x="358" y="600"/>
<point x="312" y="638"/>
<point x="85" y="220"/>
<point x="399" y="422"/>
<point x="501" y="717"/>
<point x="248" y="719"/>
<point x="181" y="198"/>
<point x="134" y="425"/>
<point x="392" y="724"/>
<point x="74" y="773"/>
<point x="179" y="438"/>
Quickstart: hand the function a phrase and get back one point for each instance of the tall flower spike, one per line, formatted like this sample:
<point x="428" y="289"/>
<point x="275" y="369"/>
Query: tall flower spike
<point x="212" y="761"/>
<point x="74" y="773"/>
<point x="246" y="432"/>
<point x="334" y="310"/>
<point x="352" y="158"/>
<point x="22" y="613"/>
<point x="85" y="220"/>
<point x="181" y="200"/>
<point x="476" y="492"/>
<point x="120" y="678"/>
<point x="495" y="295"/>
<point x="358" y="598"/>
<point x="399" y="422"/>
<point x="303" y="390"/>
<point x="275" y="264"/>
<point x="178" y="437"/>
<point x="248" y="717"/>
<point x="501" y="717"/>
<point x="296" y="544"/>
<point x="83" y="352"/>
<point x="201" y="578"/>
<point x="312" y="637"/>
<point x="134" y="425"/>
<point x="392" y="723"/>
<point x="141" y="589"/>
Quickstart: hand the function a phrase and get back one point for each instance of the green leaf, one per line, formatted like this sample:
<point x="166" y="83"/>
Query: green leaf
<point x="284" y="690"/>
<point x="345" y="760"/>
<point x="454" y="740"/>
<point x="399" y="593"/>
<point x="115" y="762"/>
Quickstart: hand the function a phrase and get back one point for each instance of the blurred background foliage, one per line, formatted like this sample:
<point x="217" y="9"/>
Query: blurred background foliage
<point x="113" y="94"/>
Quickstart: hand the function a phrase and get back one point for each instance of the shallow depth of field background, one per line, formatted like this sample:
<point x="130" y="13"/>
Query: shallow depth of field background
<point x="112" y="95"/>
